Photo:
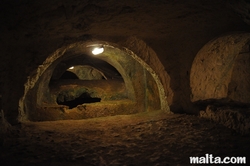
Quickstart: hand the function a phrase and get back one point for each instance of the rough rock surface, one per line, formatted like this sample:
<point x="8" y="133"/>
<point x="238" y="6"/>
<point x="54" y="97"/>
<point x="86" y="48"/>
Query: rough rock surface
<point x="142" y="139"/>
<point x="147" y="54"/>
<point x="104" y="89"/>
<point x="237" y="119"/>
<point x="221" y="69"/>
<point x="175" y="30"/>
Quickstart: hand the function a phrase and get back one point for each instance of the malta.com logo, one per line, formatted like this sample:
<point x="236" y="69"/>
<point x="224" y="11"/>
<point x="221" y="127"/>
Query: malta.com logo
<point x="210" y="159"/>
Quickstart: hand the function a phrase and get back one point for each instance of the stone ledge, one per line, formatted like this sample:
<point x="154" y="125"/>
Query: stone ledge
<point x="85" y="111"/>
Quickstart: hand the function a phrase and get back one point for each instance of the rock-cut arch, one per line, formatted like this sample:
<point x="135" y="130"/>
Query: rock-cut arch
<point x="145" y="89"/>
<point x="221" y="70"/>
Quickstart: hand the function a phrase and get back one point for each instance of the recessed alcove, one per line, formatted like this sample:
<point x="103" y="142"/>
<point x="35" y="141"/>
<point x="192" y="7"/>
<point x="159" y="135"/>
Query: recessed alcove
<point x="220" y="71"/>
<point x="220" y="81"/>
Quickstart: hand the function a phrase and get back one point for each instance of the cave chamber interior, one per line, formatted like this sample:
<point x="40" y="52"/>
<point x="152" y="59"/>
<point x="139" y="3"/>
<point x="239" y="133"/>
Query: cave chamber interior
<point x="78" y="85"/>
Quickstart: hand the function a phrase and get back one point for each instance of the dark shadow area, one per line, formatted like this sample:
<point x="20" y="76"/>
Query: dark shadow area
<point x="220" y="103"/>
<point x="69" y="75"/>
<point x="84" y="98"/>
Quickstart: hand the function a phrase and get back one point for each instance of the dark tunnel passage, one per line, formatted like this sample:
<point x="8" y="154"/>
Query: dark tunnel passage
<point x="68" y="75"/>
<point x="77" y="85"/>
<point x="82" y="99"/>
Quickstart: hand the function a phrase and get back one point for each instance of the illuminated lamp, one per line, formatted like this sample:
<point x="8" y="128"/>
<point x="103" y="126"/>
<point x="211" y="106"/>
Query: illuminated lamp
<point x="97" y="50"/>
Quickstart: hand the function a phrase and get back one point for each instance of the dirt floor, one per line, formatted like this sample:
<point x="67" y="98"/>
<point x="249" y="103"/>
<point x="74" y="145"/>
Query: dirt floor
<point x="153" y="138"/>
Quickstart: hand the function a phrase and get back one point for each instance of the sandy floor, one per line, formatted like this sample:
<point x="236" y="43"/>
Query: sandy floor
<point x="143" y="139"/>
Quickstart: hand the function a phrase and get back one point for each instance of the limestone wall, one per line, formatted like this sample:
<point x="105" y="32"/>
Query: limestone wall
<point x="221" y="70"/>
<point x="173" y="30"/>
<point x="234" y="118"/>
